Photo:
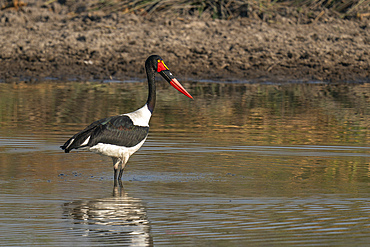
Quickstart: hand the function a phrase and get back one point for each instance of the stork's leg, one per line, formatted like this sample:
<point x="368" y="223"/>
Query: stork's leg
<point x="116" y="163"/>
<point x="123" y="164"/>
<point x="120" y="174"/>
<point x="115" y="174"/>
<point x="118" y="188"/>
<point x="121" y="171"/>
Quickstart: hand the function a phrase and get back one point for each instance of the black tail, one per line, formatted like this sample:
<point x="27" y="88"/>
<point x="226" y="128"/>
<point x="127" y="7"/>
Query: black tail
<point x="65" y="145"/>
<point x="77" y="140"/>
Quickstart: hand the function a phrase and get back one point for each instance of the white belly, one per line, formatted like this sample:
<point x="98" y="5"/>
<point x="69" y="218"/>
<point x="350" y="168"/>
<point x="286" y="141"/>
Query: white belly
<point x="116" y="151"/>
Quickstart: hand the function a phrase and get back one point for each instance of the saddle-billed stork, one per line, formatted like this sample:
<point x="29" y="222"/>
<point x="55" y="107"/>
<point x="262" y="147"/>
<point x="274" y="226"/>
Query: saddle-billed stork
<point x="120" y="136"/>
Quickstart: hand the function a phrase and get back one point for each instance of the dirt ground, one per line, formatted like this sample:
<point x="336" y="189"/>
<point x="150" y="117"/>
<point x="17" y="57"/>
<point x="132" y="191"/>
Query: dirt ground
<point x="47" y="41"/>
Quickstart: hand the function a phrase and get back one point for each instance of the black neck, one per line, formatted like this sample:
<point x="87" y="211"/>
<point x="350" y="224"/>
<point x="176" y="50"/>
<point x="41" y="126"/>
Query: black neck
<point x="151" y="86"/>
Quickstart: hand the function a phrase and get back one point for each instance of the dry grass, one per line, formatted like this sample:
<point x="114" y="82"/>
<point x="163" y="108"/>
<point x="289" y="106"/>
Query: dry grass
<point x="224" y="9"/>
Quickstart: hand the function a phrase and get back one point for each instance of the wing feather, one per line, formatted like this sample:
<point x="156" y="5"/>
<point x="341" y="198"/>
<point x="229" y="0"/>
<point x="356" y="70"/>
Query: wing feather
<point x="119" y="130"/>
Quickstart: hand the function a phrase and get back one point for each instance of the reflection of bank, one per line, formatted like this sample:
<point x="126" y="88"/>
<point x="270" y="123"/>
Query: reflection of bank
<point x="119" y="220"/>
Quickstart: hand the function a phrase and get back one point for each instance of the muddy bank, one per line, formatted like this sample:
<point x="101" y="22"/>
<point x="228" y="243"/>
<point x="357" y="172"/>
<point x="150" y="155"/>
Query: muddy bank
<point x="39" y="41"/>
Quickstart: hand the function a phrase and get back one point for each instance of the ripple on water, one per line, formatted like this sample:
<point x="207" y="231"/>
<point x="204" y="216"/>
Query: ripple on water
<point x="267" y="220"/>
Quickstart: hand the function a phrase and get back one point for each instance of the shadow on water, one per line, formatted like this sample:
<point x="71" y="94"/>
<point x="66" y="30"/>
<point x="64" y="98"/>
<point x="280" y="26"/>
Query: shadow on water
<point x="120" y="219"/>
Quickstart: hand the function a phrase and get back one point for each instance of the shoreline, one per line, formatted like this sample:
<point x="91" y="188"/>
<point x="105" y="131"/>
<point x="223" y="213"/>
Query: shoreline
<point x="39" y="42"/>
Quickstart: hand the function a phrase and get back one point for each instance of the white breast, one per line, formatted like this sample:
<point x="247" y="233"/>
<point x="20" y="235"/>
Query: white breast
<point x="116" y="151"/>
<point x="141" y="116"/>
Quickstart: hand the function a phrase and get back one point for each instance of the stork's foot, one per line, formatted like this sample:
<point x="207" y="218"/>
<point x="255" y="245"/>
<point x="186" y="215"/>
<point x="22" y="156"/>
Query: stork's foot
<point x="118" y="190"/>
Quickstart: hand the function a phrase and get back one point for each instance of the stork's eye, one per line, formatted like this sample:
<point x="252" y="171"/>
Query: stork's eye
<point x="161" y="66"/>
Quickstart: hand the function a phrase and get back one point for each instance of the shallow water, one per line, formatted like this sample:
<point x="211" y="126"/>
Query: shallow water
<point x="242" y="164"/>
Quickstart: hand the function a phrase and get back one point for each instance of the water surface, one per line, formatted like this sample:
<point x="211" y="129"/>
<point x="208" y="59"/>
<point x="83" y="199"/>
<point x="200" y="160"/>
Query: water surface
<point x="242" y="164"/>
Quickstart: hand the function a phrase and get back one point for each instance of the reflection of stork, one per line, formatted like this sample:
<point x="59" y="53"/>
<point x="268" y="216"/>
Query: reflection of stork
<point x="121" y="136"/>
<point x="115" y="220"/>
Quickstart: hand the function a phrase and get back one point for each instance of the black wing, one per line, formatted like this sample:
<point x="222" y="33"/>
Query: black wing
<point x="118" y="130"/>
